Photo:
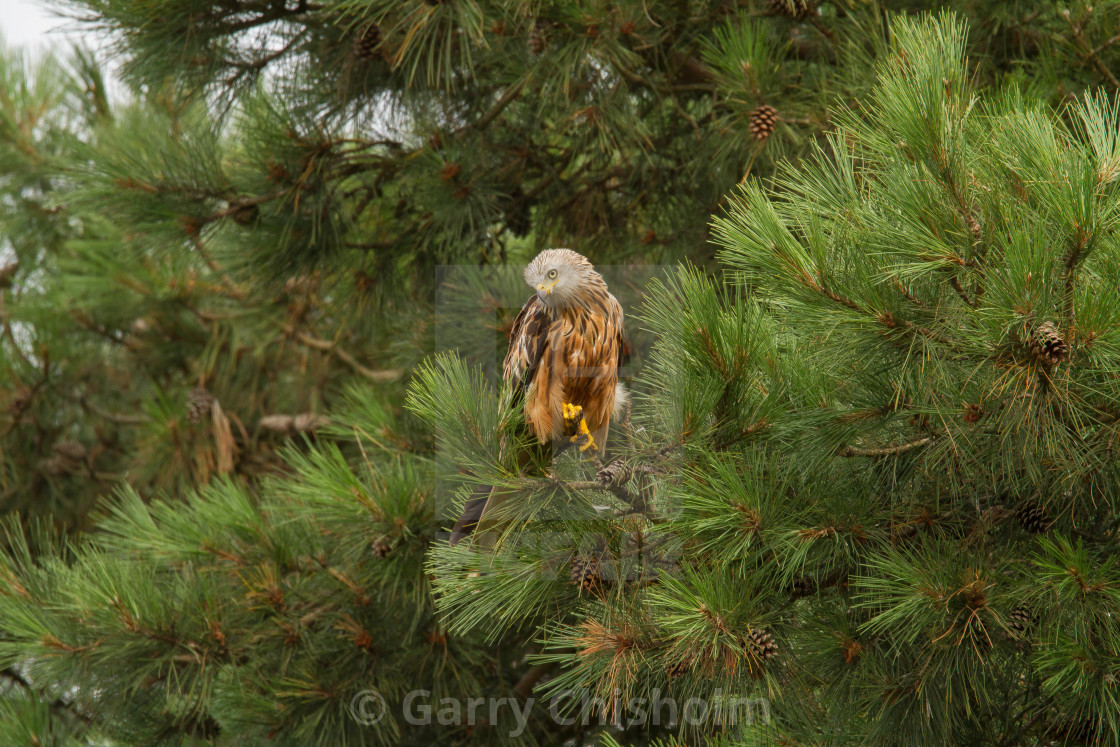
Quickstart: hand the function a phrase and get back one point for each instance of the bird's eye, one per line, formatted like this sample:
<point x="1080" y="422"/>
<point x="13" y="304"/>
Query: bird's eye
<point x="552" y="274"/>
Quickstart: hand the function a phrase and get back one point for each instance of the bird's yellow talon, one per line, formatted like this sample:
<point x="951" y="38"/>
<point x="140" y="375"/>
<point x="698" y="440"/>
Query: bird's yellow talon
<point x="573" y="414"/>
<point x="576" y="424"/>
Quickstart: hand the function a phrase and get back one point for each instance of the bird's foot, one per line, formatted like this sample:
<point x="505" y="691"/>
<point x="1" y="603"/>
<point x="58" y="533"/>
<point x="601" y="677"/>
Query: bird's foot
<point x="575" y="428"/>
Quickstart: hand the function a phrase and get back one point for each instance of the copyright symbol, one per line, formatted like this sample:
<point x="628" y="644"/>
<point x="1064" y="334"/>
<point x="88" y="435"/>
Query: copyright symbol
<point x="367" y="707"/>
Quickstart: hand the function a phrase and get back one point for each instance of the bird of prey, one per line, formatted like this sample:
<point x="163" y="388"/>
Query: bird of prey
<point x="564" y="354"/>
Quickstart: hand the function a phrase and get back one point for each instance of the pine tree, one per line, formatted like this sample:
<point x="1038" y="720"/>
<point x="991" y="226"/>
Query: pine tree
<point x="912" y="343"/>
<point x="214" y="286"/>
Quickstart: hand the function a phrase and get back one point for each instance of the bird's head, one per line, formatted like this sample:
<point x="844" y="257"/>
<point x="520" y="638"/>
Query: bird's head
<point x="562" y="278"/>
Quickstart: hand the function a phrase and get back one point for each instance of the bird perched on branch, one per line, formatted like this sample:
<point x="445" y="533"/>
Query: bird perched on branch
<point x="563" y="360"/>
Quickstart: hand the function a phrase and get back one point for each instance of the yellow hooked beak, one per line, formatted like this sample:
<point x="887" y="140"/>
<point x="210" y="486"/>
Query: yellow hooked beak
<point x="543" y="290"/>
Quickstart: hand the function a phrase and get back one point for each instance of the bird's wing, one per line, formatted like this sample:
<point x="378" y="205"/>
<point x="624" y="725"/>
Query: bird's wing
<point x="527" y="344"/>
<point x="604" y="353"/>
<point x="619" y="338"/>
<point x="472" y="514"/>
<point x="603" y="349"/>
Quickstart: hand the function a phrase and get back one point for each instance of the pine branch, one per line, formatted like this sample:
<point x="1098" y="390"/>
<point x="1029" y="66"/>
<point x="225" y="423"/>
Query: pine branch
<point x="1088" y="51"/>
<point x="506" y="99"/>
<point x="89" y="324"/>
<point x="1069" y="273"/>
<point x="115" y="417"/>
<point x="524" y="686"/>
<point x="1105" y="45"/>
<point x="852" y="451"/>
<point x="276" y="12"/>
<point x="58" y="706"/>
<point x="254" y="68"/>
<point x="287" y="424"/>
<point x="378" y="375"/>
<point x="231" y="287"/>
<point x="8" y="331"/>
<point x="885" y="318"/>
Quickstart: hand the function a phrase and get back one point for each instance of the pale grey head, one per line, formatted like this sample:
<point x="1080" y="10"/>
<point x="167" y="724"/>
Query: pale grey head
<point x="563" y="278"/>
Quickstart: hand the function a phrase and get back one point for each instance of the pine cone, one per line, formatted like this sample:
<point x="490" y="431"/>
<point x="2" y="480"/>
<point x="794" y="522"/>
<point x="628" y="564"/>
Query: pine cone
<point x="66" y="457"/>
<point x="1020" y="620"/>
<point x="798" y="10"/>
<point x="763" y="644"/>
<point x="367" y="41"/>
<point x="279" y="423"/>
<point x="586" y="572"/>
<point x="21" y="399"/>
<point x="1032" y="517"/>
<point x="763" y="120"/>
<point x="972" y="413"/>
<point x="803" y="586"/>
<point x="680" y="669"/>
<point x="199" y="402"/>
<point x="363" y="281"/>
<point x="243" y="213"/>
<point x="450" y="171"/>
<point x="615" y="473"/>
<point x="302" y="284"/>
<point x="70" y="450"/>
<point x="1047" y="344"/>
<point x="307" y="422"/>
<point x="382" y="548"/>
<point x="538" y="36"/>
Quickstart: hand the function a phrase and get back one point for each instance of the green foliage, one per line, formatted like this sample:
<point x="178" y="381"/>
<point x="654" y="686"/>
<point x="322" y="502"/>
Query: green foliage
<point x="831" y="444"/>
<point x="867" y="482"/>
<point x="197" y="616"/>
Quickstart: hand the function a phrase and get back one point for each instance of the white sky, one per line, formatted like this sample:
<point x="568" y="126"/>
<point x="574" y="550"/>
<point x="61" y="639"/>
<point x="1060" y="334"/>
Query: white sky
<point x="32" y="24"/>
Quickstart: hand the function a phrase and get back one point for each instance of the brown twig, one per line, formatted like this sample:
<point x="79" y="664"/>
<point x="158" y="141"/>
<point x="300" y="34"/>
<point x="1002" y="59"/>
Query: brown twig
<point x="1106" y="44"/>
<point x="956" y="283"/>
<point x="83" y="320"/>
<point x="506" y="99"/>
<point x="254" y="67"/>
<point x="1073" y="258"/>
<point x="910" y="296"/>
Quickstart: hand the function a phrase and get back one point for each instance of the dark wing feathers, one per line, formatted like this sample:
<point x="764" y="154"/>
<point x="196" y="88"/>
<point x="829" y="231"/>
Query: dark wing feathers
<point x="472" y="513"/>
<point x="527" y="344"/>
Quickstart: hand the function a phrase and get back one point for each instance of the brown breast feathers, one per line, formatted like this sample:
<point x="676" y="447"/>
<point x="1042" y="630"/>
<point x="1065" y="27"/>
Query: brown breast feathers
<point x="570" y="355"/>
